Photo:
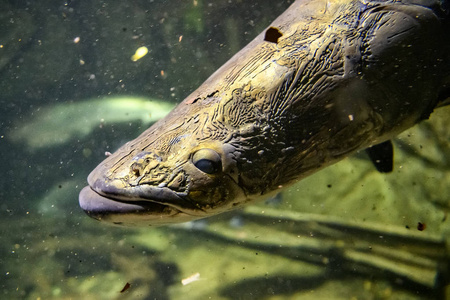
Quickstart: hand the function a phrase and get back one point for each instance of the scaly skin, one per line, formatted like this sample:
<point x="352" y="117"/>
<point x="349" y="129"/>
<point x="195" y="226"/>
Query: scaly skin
<point x="344" y="75"/>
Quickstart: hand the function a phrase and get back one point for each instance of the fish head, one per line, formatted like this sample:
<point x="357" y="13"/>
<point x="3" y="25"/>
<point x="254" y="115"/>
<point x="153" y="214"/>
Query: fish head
<point x="163" y="177"/>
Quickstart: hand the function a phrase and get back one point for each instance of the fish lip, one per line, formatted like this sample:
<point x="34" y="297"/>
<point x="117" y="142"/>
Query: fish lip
<point x="144" y="195"/>
<point x="93" y="202"/>
<point x="130" y="213"/>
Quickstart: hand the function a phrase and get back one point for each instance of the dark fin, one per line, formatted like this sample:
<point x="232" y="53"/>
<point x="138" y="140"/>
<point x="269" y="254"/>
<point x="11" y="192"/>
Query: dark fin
<point x="382" y="156"/>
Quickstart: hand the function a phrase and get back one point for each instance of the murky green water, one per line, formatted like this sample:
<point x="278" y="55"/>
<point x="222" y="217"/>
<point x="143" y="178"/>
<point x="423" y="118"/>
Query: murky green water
<point x="71" y="92"/>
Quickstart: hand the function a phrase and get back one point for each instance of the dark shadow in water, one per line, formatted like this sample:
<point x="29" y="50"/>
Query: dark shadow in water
<point x="337" y="268"/>
<point x="266" y="287"/>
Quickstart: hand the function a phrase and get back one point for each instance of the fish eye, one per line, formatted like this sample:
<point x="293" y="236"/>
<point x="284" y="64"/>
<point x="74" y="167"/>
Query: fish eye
<point x="207" y="161"/>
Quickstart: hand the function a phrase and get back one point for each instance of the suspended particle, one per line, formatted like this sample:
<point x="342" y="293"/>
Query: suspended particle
<point x="140" y="53"/>
<point x="190" y="279"/>
<point x="126" y="287"/>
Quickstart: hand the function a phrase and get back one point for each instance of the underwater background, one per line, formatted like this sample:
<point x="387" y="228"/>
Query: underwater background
<point x="73" y="87"/>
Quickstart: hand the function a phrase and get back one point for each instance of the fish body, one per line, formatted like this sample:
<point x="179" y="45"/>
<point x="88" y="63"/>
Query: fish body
<point x="326" y="79"/>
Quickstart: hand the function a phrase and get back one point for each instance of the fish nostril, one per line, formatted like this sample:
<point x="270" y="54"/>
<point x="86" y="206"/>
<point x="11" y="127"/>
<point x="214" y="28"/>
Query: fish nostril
<point x="136" y="169"/>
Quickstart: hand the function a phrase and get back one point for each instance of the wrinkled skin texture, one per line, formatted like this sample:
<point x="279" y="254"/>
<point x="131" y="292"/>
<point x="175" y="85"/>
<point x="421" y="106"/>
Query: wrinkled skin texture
<point x="344" y="75"/>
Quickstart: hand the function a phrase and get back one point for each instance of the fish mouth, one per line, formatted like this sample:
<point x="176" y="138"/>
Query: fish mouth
<point x="136" y="206"/>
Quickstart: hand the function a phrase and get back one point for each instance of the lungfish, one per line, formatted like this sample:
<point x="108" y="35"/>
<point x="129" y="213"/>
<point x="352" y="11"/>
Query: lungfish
<point x="327" y="78"/>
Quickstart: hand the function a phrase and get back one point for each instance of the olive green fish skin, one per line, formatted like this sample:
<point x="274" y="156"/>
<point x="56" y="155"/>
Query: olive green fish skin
<point x="344" y="75"/>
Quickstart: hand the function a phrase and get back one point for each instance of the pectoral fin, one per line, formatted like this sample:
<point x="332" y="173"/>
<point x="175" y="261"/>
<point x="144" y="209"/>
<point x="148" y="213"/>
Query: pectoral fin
<point x="382" y="156"/>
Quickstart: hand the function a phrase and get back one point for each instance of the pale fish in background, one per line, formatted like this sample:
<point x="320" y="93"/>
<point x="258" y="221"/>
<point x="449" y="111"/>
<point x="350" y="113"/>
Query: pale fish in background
<point x="55" y="125"/>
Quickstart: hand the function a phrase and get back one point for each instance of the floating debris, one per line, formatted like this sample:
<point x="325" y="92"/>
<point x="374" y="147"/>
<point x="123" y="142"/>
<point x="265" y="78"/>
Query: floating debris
<point x="421" y="226"/>
<point x="190" y="279"/>
<point x="140" y="53"/>
<point x="126" y="287"/>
